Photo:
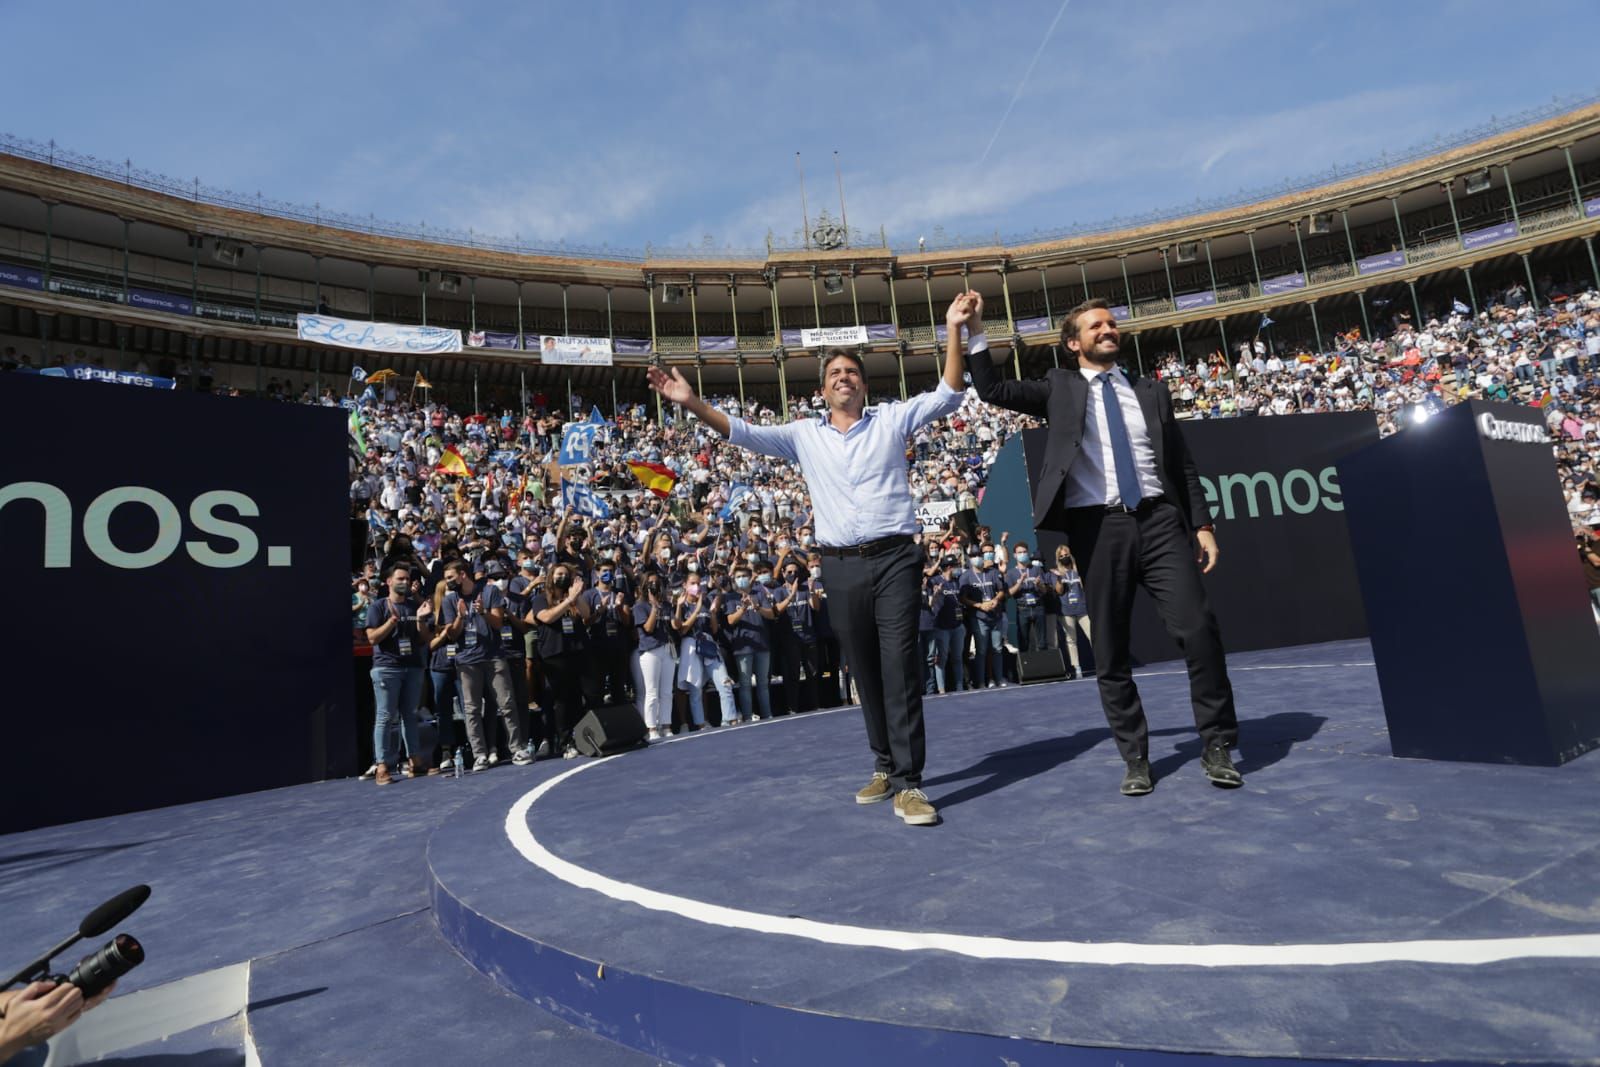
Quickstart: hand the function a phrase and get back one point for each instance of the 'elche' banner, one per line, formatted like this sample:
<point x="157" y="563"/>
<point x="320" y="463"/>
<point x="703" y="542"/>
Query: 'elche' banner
<point x="376" y="336"/>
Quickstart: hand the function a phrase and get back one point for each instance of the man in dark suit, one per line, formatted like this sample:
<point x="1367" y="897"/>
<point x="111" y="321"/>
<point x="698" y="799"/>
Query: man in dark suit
<point x="1118" y="480"/>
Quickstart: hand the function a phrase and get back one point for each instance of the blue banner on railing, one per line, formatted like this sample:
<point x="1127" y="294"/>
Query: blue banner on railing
<point x="881" y="331"/>
<point x="1187" y="301"/>
<point x="21" y="277"/>
<point x="1489" y="235"/>
<point x="157" y="301"/>
<point x="631" y="346"/>
<point x="1120" y="312"/>
<point x="1591" y="208"/>
<point x="1381" y="261"/>
<point x="1040" y="324"/>
<point x="719" y="344"/>
<point x="492" y="339"/>
<point x="1283" y="283"/>
<point x="85" y="373"/>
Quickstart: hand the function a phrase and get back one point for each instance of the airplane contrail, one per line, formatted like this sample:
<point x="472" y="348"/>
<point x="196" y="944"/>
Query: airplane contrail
<point x="1024" y="82"/>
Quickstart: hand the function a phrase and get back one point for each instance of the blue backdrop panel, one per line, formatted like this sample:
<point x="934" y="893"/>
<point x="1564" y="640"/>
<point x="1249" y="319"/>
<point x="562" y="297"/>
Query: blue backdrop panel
<point x="180" y="625"/>
<point x="1286" y="576"/>
<point x="1481" y="626"/>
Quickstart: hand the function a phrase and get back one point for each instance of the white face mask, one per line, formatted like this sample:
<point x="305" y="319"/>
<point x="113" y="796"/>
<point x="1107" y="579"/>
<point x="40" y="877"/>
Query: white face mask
<point x="816" y="572"/>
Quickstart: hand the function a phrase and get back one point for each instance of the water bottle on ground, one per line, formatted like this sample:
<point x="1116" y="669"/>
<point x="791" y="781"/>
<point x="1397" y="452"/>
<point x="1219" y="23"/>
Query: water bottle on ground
<point x="458" y="762"/>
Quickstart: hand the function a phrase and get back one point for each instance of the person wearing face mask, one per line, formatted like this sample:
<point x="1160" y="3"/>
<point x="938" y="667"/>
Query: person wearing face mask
<point x="652" y="621"/>
<point x="398" y="628"/>
<point x="983" y="595"/>
<point x="562" y="615"/>
<point x="471" y="616"/>
<point x="1025" y="586"/>
<point x="697" y="618"/>
<point x="794" y="637"/>
<point x="1071" y="609"/>
<point x="747" y="610"/>
<point x="522" y="586"/>
<point x="608" y="644"/>
<point x="943" y="593"/>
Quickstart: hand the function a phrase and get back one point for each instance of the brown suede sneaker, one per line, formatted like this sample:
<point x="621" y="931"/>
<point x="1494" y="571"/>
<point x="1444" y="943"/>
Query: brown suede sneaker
<point x="875" y="790"/>
<point x="382" y="777"/>
<point x="913" y="808"/>
<point x="420" y="769"/>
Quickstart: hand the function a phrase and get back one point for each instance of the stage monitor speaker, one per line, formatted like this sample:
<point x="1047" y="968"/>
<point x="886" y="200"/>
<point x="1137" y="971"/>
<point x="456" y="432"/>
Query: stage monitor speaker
<point x="609" y="730"/>
<point x="1041" y="665"/>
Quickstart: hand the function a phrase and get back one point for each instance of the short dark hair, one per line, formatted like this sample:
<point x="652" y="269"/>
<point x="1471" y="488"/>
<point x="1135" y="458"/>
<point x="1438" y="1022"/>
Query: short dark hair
<point x="1069" y="325"/>
<point x="831" y="354"/>
<point x="396" y="565"/>
<point x="456" y="564"/>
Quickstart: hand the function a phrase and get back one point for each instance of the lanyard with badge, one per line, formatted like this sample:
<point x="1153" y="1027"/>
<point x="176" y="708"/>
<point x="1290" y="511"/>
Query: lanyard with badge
<point x="403" y="641"/>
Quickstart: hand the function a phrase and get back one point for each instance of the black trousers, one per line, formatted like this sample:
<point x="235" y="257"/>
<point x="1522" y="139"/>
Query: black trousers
<point x="789" y="654"/>
<point x="1117" y="552"/>
<point x="873" y="606"/>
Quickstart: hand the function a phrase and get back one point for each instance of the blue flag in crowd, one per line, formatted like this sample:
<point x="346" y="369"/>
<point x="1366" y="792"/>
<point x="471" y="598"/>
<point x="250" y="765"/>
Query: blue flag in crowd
<point x="597" y="419"/>
<point x="1460" y="308"/>
<point x="1265" y="322"/>
<point x="584" y="501"/>
<point x="736" y="497"/>
<point x="357" y="373"/>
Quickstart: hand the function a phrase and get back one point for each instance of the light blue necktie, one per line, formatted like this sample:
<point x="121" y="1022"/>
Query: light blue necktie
<point x="1121" y="445"/>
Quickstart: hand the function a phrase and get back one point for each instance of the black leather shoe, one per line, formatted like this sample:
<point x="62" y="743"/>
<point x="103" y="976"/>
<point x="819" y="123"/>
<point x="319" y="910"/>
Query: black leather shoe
<point x="1136" y="783"/>
<point x="1219" y="767"/>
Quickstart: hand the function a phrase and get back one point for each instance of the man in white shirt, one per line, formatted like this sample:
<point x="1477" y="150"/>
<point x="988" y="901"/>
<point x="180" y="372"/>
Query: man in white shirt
<point x="854" y="462"/>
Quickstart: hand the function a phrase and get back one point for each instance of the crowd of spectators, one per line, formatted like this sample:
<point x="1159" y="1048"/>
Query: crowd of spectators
<point x="489" y="601"/>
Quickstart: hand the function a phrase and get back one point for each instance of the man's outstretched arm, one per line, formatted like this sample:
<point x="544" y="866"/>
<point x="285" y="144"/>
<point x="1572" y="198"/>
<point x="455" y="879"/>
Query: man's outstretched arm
<point x="768" y="440"/>
<point x="1030" y="397"/>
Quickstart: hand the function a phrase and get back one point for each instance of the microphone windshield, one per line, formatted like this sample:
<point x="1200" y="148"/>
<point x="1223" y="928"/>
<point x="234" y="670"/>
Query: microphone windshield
<point x="113" y="911"/>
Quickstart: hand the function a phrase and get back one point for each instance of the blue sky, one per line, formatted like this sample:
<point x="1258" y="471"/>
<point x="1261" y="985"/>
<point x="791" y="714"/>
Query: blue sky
<point x="634" y="123"/>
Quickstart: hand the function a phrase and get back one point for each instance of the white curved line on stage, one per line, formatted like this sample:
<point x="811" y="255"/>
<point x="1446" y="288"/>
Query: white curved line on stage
<point x="1464" y="951"/>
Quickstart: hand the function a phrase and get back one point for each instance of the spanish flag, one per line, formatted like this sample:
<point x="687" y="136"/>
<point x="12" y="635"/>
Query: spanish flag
<point x="379" y="377"/>
<point x="654" y="477"/>
<point x="452" y="463"/>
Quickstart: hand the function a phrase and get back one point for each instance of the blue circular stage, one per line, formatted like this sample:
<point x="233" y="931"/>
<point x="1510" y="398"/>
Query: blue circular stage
<point x="721" y="898"/>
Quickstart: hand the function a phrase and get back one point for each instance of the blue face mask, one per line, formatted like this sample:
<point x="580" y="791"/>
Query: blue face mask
<point x="742" y="583"/>
<point x="605" y="576"/>
<point x="988" y="557"/>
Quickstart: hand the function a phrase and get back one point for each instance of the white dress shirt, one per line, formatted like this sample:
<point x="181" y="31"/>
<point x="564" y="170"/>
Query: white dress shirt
<point x="859" y="488"/>
<point x="1093" y="477"/>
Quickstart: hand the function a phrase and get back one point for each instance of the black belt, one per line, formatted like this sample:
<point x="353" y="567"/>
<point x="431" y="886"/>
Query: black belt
<point x="868" y="548"/>
<point x="1143" y="507"/>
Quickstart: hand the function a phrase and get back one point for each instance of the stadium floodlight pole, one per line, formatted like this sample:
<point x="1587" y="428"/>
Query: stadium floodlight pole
<point x="844" y="220"/>
<point x="805" y="215"/>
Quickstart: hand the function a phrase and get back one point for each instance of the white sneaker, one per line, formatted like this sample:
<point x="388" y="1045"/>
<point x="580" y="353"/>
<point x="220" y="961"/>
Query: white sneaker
<point x="570" y="753"/>
<point x="494" y="758"/>
<point x="369" y="774"/>
<point x="522" y="759"/>
<point x="481" y="765"/>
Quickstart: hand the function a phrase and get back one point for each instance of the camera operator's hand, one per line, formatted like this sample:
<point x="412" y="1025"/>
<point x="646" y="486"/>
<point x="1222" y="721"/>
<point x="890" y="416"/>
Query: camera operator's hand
<point x="37" y="1013"/>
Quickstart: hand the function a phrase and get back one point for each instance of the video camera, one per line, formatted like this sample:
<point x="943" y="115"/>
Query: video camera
<point x="96" y="971"/>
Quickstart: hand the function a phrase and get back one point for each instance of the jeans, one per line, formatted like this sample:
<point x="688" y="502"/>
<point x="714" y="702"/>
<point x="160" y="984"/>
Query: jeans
<point x="987" y="637"/>
<point x="947" y="671"/>
<point x="398" y="691"/>
<point x="445" y="706"/>
<point x="760" y="664"/>
<point x="930" y="658"/>
<point x="1030" y="629"/>
<point x="711" y="666"/>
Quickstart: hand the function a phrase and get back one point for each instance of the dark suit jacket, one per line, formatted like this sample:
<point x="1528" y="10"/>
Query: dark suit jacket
<point x="1061" y="398"/>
